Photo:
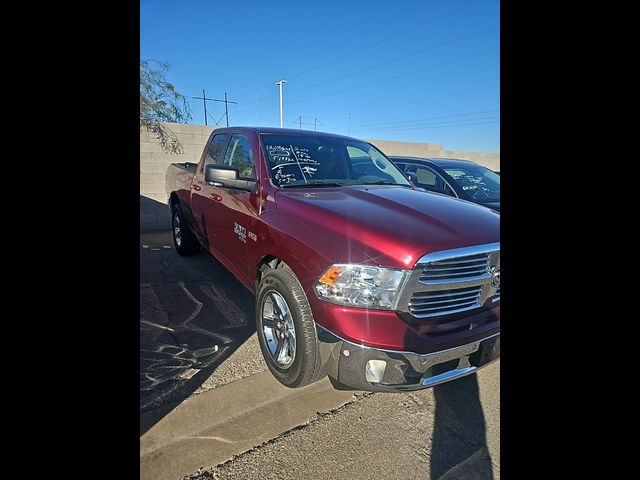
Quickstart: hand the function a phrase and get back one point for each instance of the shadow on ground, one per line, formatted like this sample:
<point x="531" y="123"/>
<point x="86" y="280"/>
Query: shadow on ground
<point x="193" y="315"/>
<point x="459" y="443"/>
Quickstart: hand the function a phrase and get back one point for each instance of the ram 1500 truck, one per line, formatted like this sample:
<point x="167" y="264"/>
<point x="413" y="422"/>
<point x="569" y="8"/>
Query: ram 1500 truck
<point x="357" y="275"/>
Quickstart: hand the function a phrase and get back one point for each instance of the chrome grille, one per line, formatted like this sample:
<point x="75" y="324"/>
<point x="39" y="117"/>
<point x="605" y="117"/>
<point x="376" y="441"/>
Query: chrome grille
<point x="452" y="281"/>
<point x="441" y="302"/>
<point x="455" y="269"/>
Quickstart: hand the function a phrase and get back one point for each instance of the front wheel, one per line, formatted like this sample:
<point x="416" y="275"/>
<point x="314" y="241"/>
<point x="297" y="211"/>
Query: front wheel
<point x="286" y="330"/>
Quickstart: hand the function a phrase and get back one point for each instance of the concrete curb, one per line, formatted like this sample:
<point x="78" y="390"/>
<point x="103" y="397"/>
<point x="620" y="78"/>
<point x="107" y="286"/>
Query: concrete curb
<point x="210" y="428"/>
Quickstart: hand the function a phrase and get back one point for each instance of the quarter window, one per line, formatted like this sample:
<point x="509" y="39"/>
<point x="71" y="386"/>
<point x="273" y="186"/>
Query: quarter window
<point x="216" y="149"/>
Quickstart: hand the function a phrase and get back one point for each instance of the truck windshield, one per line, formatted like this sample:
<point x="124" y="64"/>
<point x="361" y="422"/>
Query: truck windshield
<point x="300" y="160"/>
<point x="478" y="182"/>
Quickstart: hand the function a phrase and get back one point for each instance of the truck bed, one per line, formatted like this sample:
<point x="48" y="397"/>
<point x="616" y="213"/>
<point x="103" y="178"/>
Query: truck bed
<point x="188" y="166"/>
<point x="178" y="179"/>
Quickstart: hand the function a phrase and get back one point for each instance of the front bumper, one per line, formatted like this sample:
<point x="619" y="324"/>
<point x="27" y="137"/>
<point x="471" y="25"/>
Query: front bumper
<point x="358" y="367"/>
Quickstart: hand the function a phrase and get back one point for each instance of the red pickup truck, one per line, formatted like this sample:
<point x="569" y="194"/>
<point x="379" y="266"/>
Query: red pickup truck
<point x="357" y="274"/>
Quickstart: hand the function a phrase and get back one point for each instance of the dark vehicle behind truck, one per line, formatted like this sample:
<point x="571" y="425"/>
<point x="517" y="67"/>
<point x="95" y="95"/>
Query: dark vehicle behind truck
<point x="458" y="178"/>
<point x="356" y="273"/>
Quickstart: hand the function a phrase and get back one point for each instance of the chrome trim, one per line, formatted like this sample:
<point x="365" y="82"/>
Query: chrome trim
<point x="333" y="345"/>
<point x="414" y="285"/>
<point x="496" y="296"/>
<point x="465" y="303"/>
<point x="473" y="293"/>
<point x="446" y="284"/>
<point x="459" y="252"/>
<point x="421" y="302"/>
<point x="278" y="329"/>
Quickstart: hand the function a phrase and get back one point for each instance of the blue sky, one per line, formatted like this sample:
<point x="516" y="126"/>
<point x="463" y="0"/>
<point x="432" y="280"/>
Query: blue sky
<point x="411" y="70"/>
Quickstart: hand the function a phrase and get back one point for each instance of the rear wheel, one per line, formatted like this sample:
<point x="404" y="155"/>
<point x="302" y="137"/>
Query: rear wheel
<point x="184" y="240"/>
<point x="286" y="330"/>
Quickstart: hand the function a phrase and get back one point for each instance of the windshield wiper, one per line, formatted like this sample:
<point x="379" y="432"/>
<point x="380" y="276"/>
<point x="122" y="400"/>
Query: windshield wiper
<point x="314" y="183"/>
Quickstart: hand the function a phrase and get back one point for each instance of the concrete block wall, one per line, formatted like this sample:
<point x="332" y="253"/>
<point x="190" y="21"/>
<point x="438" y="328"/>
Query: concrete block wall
<point x="154" y="162"/>
<point x="154" y="214"/>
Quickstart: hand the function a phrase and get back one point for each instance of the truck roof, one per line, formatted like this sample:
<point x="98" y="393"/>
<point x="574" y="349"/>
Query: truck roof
<point x="282" y="131"/>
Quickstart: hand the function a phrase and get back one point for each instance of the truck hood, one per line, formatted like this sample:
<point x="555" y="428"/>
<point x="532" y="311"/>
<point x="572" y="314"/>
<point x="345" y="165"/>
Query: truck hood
<point x="494" y="205"/>
<point x="392" y="225"/>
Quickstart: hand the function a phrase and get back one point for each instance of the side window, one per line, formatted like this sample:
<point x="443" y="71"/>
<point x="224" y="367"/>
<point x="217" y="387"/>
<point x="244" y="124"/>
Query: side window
<point x="430" y="180"/>
<point x="239" y="155"/>
<point x="216" y="149"/>
<point x="426" y="177"/>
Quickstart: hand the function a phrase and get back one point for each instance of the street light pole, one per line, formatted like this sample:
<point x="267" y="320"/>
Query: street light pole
<point x="280" y="82"/>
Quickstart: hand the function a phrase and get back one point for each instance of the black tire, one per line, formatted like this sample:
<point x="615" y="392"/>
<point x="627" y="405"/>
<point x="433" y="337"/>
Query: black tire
<point x="306" y="367"/>
<point x="184" y="240"/>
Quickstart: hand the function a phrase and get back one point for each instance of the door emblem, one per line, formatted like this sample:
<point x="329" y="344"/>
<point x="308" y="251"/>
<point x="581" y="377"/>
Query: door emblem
<point x="241" y="232"/>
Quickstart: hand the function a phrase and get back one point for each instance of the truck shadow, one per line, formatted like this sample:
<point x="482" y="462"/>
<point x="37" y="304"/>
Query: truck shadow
<point x="193" y="315"/>
<point x="459" y="444"/>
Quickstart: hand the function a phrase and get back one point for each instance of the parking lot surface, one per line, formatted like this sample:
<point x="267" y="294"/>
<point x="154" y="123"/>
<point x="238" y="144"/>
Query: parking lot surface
<point x="203" y="380"/>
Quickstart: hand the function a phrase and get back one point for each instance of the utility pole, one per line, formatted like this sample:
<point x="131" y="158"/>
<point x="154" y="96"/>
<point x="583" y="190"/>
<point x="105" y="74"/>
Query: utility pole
<point x="300" y="122"/>
<point x="225" y="101"/>
<point x="226" y="110"/>
<point x="281" y="82"/>
<point x="204" y="102"/>
<point x="316" y="121"/>
<point x="349" y="124"/>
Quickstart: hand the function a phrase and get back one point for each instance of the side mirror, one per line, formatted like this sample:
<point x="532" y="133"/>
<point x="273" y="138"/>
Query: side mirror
<point x="413" y="178"/>
<point x="227" y="177"/>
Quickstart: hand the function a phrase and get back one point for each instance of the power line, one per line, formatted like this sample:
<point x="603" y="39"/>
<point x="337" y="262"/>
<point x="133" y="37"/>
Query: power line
<point x="443" y="125"/>
<point x="386" y="39"/>
<point x="366" y="125"/>
<point x="396" y="76"/>
<point x="396" y="59"/>
<point x="366" y="46"/>
<point x="432" y="67"/>
<point x="433" y="47"/>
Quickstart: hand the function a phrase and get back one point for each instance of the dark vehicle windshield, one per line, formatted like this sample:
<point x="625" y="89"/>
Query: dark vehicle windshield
<point x="479" y="183"/>
<point x="296" y="161"/>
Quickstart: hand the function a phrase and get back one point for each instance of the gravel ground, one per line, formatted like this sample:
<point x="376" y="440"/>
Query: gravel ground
<point x="245" y="361"/>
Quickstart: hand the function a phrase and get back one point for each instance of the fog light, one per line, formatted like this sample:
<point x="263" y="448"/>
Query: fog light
<point x="374" y="370"/>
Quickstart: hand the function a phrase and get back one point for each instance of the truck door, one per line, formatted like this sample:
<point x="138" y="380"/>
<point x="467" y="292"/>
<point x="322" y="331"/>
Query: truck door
<point x="237" y="206"/>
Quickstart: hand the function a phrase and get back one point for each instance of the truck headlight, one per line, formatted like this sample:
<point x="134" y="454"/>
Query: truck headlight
<point x="360" y="285"/>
